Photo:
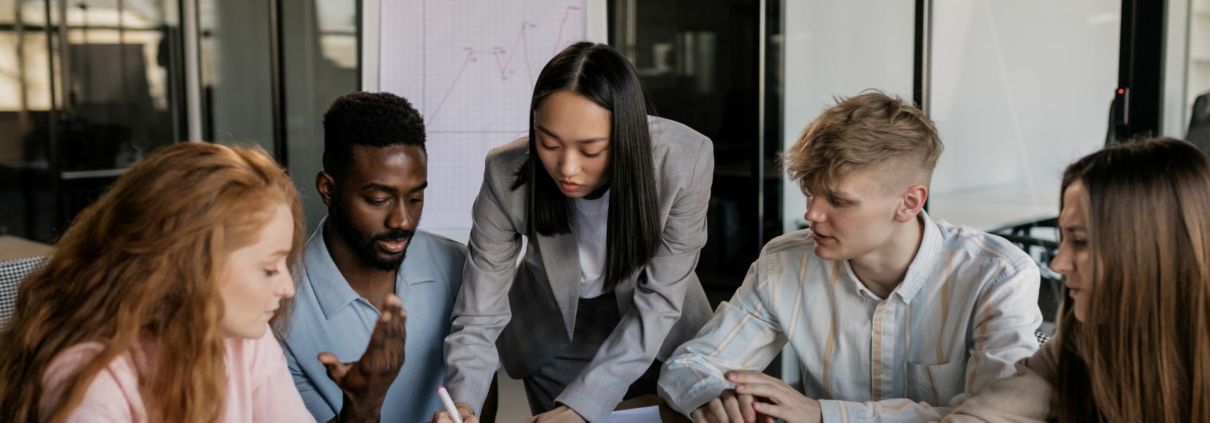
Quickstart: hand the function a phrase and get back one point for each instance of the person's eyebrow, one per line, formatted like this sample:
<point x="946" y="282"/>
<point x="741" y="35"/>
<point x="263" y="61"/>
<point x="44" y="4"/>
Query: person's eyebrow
<point x="1074" y="228"/>
<point x="583" y="141"/>
<point x="380" y="187"/>
<point x="419" y="188"/>
<point x="837" y="194"/>
<point x="278" y="254"/>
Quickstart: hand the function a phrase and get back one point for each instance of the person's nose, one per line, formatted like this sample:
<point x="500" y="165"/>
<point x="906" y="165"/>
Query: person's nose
<point x="816" y="210"/>
<point x="400" y="217"/>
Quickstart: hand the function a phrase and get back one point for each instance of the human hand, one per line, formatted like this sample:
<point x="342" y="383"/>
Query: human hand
<point x="561" y="414"/>
<point x="727" y="408"/>
<point x="364" y="383"/>
<point x="784" y="402"/>
<point x="464" y="410"/>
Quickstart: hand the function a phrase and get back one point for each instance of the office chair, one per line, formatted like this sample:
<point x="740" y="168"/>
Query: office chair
<point x="12" y="272"/>
<point x="1042" y="337"/>
<point x="1043" y="251"/>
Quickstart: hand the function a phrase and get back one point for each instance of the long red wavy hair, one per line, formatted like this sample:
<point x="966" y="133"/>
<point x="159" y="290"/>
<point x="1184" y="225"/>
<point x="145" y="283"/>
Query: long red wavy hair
<point x="141" y="267"/>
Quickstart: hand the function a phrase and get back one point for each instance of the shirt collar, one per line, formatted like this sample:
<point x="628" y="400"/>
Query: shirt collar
<point x="333" y="292"/>
<point x="918" y="269"/>
<point x="922" y="264"/>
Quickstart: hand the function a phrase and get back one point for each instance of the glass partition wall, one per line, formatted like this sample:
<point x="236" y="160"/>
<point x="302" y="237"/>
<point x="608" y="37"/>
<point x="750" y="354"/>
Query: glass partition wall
<point x="87" y="88"/>
<point x="269" y="70"/>
<point x="1196" y="119"/>
<point x="715" y="66"/>
<point x="1017" y="95"/>
<point x="90" y="87"/>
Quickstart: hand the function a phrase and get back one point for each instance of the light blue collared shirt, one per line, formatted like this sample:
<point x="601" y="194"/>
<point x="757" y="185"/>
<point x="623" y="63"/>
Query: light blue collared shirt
<point x="328" y="315"/>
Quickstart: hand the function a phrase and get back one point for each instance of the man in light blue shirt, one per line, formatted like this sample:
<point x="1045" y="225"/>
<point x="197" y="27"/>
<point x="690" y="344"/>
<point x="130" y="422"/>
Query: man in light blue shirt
<point x="373" y="182"/>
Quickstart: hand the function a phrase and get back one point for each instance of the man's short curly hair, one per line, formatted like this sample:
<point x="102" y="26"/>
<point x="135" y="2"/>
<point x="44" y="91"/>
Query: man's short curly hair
<point x="371" y="119"/>
<point x="870" y="130"/>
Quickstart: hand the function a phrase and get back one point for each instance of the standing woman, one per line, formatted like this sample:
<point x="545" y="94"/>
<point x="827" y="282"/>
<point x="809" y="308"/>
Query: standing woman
<point x="1134" y="336"/>
<point x="613" y="203"/>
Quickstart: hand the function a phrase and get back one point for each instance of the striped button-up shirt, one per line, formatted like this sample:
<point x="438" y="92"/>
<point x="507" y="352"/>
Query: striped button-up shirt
<point x="964" y="313"/>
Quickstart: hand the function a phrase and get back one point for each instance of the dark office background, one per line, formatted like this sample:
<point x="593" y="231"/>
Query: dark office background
<point x="100" y="84"/>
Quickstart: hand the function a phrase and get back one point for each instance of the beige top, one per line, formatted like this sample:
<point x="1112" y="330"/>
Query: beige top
<point x="1029" y="395"/>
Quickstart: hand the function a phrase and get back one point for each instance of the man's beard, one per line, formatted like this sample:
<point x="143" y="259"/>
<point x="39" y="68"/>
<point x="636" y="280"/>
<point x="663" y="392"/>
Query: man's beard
<point x="366" y="246"/>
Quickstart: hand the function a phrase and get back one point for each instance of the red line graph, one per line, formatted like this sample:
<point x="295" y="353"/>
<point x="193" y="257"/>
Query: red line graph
<point x="503" y="67"/>
<point x="559" y="38"/>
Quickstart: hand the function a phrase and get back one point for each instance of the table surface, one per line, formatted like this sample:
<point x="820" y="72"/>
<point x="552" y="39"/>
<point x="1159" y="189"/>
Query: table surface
<point x="12" y="247"/>
<point x="667" y="414"/>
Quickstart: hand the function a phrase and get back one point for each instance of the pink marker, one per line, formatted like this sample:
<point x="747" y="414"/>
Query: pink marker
<point x="449" y="404"/>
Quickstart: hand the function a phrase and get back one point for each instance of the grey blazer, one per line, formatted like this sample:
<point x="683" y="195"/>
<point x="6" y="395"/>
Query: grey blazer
<point x="521" y="316"/>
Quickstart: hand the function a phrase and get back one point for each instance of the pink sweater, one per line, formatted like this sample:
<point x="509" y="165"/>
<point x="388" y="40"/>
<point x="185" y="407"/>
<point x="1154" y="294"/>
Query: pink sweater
<point x="259" y="386"/>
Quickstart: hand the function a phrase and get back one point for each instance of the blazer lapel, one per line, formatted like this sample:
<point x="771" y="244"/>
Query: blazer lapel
<point x="561" y="258"/>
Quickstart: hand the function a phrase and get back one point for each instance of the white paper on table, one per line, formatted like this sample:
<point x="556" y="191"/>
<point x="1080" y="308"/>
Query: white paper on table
<point x="635" y="415"/>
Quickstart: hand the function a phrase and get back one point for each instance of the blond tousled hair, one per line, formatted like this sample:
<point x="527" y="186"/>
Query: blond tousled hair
<point x="143" y="264"/>
<point x="870" y="130"/>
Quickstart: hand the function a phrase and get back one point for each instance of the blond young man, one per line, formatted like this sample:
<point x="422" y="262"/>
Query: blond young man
<point x="895" y="316"/>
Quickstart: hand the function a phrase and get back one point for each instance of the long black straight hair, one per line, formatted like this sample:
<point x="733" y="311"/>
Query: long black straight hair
<point x="603" y="76"/>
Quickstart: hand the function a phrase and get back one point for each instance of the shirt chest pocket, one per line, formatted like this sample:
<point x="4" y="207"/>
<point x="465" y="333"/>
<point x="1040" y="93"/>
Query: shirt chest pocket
<point x="937" y="384"/>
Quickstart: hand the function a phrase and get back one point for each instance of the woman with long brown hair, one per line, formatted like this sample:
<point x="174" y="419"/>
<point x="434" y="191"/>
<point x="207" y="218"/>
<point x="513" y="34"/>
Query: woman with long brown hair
<point x="1134" y="332"/>
<point x="156" y="303"/>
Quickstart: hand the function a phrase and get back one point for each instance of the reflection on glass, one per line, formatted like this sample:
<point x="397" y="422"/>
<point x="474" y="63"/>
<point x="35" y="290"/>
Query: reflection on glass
<point x="17" y="58"/>
<point x="79" y="103"/>
<point x="1016" y="96"/>
<point x="1199" y="61"/>
<point x="337" y="20"/>
<point x="237" y="78"/>
<point x="320" y="64"/>
<point x="698" y="62"/>
<point x="116" y="96"/>
<point x="838" y="49"/>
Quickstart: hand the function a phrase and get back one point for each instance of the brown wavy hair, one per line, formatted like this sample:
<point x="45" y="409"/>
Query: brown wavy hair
<point x="1143" y="351"/>
<point x="141" y="268"/>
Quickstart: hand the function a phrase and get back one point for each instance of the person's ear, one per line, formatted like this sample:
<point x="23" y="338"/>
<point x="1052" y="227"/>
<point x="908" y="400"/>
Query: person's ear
<point x="326" y="185"/>
<point x="913" y="201"/>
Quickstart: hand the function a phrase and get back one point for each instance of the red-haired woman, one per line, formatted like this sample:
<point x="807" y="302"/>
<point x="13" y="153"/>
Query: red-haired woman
<point x="157" y="302"/>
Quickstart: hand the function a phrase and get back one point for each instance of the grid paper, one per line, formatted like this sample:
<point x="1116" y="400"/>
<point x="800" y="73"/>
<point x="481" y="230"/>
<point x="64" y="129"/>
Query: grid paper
<point x="469" y="67"/>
